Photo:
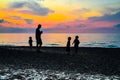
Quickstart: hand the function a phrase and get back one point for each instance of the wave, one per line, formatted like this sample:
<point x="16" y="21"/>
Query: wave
<point x="104" y="45"/>
<point x="52" y="45"/>
<point x="34" y="74"/>
<point x="112" y="46"/>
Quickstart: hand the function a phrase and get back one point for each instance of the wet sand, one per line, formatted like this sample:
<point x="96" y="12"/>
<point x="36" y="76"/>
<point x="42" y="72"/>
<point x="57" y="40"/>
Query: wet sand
<point x="88" y="60"/>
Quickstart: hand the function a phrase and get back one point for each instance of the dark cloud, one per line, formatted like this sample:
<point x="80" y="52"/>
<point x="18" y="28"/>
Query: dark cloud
<point x="18" y="4"/>
<point x="117" y="26"/>
<point x="15" y="30"/>
<point x="33" y="8"/>
<point x="4" y="21"/>
<point x="114" y="29"/>
<point x="55" y="30"/>
<point x="1" y="20"/>
<point x="110" y="10"/>
<point x="61" y="28"/>
<point x="71" y="25"/>
<point x="80" y="26"/>
<point x="29" y="21"/>
<point x="106" y="30"/>
<point x="83" y="28"/>
<point x="113" y="9"/>
<point x="107" y="17"/>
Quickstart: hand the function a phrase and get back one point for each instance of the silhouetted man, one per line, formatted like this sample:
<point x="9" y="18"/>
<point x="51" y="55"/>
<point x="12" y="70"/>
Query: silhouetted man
<point x="38" y="37"/>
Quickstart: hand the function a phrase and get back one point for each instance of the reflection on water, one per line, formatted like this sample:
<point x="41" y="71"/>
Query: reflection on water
<point x="60" y="39"/>
<point x="34" y="74"/>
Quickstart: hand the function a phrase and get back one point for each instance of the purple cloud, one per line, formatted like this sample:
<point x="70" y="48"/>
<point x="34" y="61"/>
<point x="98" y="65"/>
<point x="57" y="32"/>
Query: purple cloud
<point x="117" y="26"/>
<point x="18" y="4"/>
<point x="1" y="20"/>
<point x="4" y="21"/>
<point x="15" y="30"/>
<point x="114" y="29"/>
<point x="29" y="21"/>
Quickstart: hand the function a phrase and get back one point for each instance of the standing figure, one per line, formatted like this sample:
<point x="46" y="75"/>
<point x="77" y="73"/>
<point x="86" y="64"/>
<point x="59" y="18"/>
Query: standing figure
<point x="76" y="43"/>
<point x="30" y="41"/>
<point x="68" y="45"/>
<point x="38" y="37"/>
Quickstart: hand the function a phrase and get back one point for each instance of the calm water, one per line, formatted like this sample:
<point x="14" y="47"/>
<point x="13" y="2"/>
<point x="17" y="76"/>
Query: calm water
<point x="60" y="39"/>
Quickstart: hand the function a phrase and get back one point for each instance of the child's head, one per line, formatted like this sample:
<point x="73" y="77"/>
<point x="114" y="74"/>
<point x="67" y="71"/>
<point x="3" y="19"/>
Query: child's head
<point x="30" y="38"/>
<point x="76" y="37"/>
<point x="69" y="38"/>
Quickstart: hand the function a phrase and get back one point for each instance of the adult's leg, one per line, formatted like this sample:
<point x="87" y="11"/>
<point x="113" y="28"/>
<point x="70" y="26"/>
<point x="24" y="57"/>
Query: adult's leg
<point x="37" y="46"/>
<point x="40" y="43"/>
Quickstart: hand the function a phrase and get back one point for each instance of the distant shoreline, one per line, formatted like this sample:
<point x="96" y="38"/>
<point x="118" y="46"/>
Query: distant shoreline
<point x="53" y="47"/>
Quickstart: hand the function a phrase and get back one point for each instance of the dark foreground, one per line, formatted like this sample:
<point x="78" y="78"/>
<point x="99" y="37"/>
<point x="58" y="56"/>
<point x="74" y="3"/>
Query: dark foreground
<point x="104" y="61"/>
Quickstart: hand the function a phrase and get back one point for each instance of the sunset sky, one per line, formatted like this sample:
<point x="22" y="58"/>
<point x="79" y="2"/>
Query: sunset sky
<point x="69" y="16"/>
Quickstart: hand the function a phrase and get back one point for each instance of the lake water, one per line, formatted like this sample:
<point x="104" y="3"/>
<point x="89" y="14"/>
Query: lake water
<point x="107" y="40"/>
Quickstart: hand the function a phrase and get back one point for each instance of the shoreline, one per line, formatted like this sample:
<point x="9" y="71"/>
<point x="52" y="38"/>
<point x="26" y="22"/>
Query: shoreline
<point x="88" y="60"/>
<point x="98" y="50"/>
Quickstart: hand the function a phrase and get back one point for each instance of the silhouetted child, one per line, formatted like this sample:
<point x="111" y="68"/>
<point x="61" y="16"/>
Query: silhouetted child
<point x="30" y="41"/>
<point x="68" y="45"/>
<point x="76" y="43"/>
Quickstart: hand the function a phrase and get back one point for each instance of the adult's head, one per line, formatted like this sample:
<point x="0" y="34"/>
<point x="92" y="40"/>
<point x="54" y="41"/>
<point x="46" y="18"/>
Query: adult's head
<point x="39" y="25"/>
